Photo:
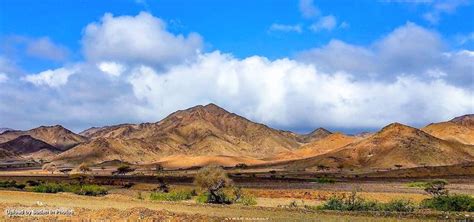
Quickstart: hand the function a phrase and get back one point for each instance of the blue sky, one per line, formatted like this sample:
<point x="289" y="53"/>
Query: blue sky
<point x="338" y="39"/>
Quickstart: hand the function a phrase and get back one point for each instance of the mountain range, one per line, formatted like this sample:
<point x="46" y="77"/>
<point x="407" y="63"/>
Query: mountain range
<point x="208" y="134"/>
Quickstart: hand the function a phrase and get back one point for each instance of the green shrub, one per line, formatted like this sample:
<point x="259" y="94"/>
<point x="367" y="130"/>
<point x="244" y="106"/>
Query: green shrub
<point x="49" y="188"/>
<point x="355" y="203"/>
<point x="89" y="190"/>
<point x="247" y="200"/>
<point x="202" y="198"/>
<point x="171" y="196"/>
<point x="400" y="205"/>
<point x="456" y="202"/>
<point x="12" y="184"/>
<point x="417" y="184"/>
<point x="323" y="180"/>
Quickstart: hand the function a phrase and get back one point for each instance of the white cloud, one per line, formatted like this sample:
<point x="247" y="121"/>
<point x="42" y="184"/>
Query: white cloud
<point x="440" y="8"/>
<point x="407" y="76"/>
<point x="3" y="77"/>
<point x="45" y="48"/>
<point x="286" y="28"/>
<point x="51" y="78"/>
<point x="409" y="49"/>
<point x="308" y="9"/>
<point x="327" y="23"/>
<point x="111" y="68"/>
<point x="290" y="94"/>
<point x="139" y="39"/>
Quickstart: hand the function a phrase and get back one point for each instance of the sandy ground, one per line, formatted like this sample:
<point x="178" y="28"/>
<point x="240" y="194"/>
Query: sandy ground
<point x="115" y="207"/>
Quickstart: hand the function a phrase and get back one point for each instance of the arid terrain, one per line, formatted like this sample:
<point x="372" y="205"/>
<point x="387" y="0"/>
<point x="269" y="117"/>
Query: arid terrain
<point x="288" y="174"/>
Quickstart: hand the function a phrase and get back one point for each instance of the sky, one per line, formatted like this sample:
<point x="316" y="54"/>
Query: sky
<point x="296" y="65"/>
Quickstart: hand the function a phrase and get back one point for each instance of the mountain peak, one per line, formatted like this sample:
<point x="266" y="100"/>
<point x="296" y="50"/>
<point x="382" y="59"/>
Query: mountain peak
<point x="465" y="120"/>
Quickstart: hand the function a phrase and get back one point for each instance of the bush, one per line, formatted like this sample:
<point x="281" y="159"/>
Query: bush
<point x="400" y="205"/>
<point x="171" y="196"/>
<point x="437" y="188"/>
<point x="417" y="184"/>
<point x="49" y="188"/>
<point x="12" y="184"/>
<point x="213" y="180"/>
<point x="323" y="180"/>
<point x="456" y="202"/>
<point x="355" y="203"/>
<point x="247" y="200"/>
<point x="33" y="183"/>
<point x="89" y="190"/>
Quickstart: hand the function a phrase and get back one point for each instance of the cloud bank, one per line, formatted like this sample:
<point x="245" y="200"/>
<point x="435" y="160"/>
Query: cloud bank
<point x="135" y="70"/>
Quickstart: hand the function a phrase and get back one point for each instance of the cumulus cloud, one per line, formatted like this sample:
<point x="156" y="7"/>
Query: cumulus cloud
<point x="308" y="9"/>
<point x="138" y="39"/>
<point x="111" y="68"/>
<point x="409" y="49"/>
<point x="327" y="23"/>
<point x="287" y="93"/>
<point x="339" y="85"/>
<point x="51" y="78"/>
<point x="46" y="49"/>
<point x="285" y="28"/>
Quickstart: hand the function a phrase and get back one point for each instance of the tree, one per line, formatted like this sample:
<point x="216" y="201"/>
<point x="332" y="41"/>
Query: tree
<point x="123" y="169"/>
<point x="398" y="166"/>
<point x="213" y="179"/>
<point x="83" y="168"/>
<point x="50" y="167"/>
<point x="437" y="188"/>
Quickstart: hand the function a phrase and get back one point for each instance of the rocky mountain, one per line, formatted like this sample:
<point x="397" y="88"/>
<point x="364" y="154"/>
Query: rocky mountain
<point x="395" y="144"/>
<point x="2" y="130"/>
<point x="27" y="147"/>
<point x="331" y="142"/>
<point x="198" y="131"/>
<point x="317" y="134"/>
<point x="57" y="136"/>
<point x="460" y="129"/>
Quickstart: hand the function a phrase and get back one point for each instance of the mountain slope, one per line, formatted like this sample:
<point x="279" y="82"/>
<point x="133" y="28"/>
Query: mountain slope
<point x="57" y="136"/>
<point x="395" y="144"/>
<point x="327" y="144"/>
<point x="317" y="134"/>
<point x="27" y="147"/>
<point x="460" y="129"/>
<point x="198" y="131"/>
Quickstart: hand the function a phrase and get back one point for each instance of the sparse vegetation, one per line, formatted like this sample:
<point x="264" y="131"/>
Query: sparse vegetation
<point x="123" y="169"/>
<point x="84" y="168"/>
<point x="88" y="190"/>
<point x="356" y="203"/>
<point x="323" y="180"/>
<point x="171" y="196"/>
<point x="212" y="180"/>
<point x="456" y="202"/>
<point x="12" y="184"/>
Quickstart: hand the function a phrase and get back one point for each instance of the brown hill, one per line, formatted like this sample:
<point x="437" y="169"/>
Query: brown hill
<point x="316" y="135"/>
<point x="395" y="144"/>
<point x="460" y="129"/>
<point x="27" y="147"/>
<point x="57" y="136"/>
<point x="199" y="131"/>
<point x="327" y="144"/>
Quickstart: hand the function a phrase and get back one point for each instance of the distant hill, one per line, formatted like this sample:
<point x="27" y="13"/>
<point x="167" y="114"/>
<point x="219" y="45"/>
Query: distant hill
<point x="2" y="130"/>
<point x="317" y="134"/>
<point x="29" y="148"/>
<point x="460" y="129"/>
<point x="198" y="131"/>
<point x="331" y="142"/>
<point x="395" y="144"/>
<point x="57" y="136"/>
